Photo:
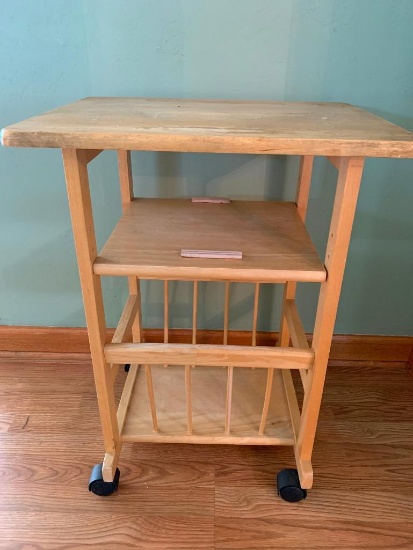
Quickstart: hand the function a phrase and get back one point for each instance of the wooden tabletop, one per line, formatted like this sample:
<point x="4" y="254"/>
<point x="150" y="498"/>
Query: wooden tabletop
<point x="293" y="128"/>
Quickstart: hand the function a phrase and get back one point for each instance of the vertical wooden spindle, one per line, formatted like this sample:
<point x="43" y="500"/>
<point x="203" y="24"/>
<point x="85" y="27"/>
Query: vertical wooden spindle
<point x="226" y="313"/>
<point x="195" y="312"/>
<point x="188" y="374"/>
<point x="255" y="314"/>
<point x="188" y="397"/>
<point x="126" y="191"/>
<point x="166" y="313"/>
<point x="151" y="397"/>
<point x="267" y="399"/>
<point x="229" y="399"/>
<point x="230" y="370"/>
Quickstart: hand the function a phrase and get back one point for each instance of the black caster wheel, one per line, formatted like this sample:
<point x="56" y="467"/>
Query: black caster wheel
<point x="288" y="486"/>
<point x="102" y="488"/>
<point x="127" y="367"/>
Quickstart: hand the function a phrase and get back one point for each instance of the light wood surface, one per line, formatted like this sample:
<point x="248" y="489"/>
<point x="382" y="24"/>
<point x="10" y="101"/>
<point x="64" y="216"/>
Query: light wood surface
<point x="348" y="185"/>
<point x="294" y="128"/>
<point x="226" y="312"/>
<point x="302" y="197"/>
<point x="126" y="396"/>
<point x="255" y="314"/>
<point x="188" y="397"/>
<point x="165" y="312"/>
<point x="275" y="243"/>
<point x="188" y="368"/>
<point x="296" y="331"/>
<point x="295" y="326"/>
<point x="304" y="467"/>
<point x="151" y="397"/>
<point x="195" y="313"/>
<point x="125" y="178"/>
<point x="75" y="165"/>
<point x="124" y="328"/>
<point x="191" y="497"/>
<point x="228" y="405"/>
<point x="267" y="399"/>
<point x="208" y="408"/>
<point x="304" y="185"/>
<point x="205" y="354"/>
<point x="126" y="194"/>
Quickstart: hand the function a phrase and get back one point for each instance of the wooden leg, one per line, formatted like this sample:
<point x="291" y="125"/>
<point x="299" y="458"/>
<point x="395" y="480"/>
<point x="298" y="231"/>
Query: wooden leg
<point x="348" y="184"/>
<point x="304" y="468"/>
<point x="304" y="184"/>
<point x="75" y="164"/>
<point x="126" y="194"/>
<point x="303" y="191"/>
<point x="302" y="196"/>
<point x="125" y="178"/>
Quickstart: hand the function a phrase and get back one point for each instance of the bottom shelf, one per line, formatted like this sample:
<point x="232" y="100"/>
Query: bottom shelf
<point x="209" y="386"/>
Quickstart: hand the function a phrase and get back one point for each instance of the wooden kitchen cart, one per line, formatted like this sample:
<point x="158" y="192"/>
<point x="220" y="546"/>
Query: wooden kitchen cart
<point x="251" y="400"/>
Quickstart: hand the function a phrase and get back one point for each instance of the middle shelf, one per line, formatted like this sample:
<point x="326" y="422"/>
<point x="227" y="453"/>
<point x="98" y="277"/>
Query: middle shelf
<point x="149" y="237"/>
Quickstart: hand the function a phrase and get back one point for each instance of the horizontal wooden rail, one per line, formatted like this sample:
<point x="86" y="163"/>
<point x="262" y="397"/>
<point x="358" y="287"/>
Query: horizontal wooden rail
<point x="209" y="355"/>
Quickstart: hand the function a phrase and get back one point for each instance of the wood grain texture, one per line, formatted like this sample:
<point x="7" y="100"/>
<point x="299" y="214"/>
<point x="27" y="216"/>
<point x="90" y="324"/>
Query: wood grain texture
<point x="348" y="185"/>
<point x="197" y="496"/>
<point x="365" y="349"/>
<point x="209" y="408"/>
<point x="80" y="205"/>
<point x="294" y="128"/>
<point x="210" y="355"/>
<point x="410" y="360"/>
<point x="275" y="242"/>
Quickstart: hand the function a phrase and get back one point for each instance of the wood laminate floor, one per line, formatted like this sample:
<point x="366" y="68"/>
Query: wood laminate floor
<point x="201" y="497"/>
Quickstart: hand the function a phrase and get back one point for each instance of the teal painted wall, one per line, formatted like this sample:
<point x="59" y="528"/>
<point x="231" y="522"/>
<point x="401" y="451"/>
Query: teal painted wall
<point x="53" y="52"/>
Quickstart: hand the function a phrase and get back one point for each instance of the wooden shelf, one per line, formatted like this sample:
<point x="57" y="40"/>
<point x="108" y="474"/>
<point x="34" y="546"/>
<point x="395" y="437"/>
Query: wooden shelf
<point x="148" y="240"/>
<point x="208" y="407"/>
